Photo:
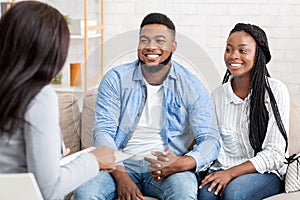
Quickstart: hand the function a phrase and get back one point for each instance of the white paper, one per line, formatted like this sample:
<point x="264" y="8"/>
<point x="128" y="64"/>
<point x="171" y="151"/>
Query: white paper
<point x="71" y="157"/>
<point x="120" y="156"/>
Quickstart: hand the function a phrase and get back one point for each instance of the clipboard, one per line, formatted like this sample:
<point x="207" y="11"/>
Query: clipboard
<point x="120" y="156"/>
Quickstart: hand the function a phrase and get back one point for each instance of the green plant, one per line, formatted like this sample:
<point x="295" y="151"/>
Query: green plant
<point x="68" y="19"/>
<point x="57" y="79"/>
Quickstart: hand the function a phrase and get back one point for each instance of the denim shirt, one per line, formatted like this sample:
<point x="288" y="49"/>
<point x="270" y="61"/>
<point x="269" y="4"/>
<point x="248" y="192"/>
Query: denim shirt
<point x="187" y="112"/>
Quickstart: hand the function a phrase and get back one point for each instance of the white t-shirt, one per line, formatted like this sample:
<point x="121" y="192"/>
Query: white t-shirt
<point x="146" y="137"/>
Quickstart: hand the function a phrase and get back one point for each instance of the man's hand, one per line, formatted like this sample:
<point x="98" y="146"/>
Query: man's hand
<point x="162" y="166"/>
<point x="126" y="188"/>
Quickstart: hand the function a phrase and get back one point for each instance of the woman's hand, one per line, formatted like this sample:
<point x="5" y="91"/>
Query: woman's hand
<point x="67" y="151"/>
<point x="105" y="157"/>
<point x="219" y="179"/>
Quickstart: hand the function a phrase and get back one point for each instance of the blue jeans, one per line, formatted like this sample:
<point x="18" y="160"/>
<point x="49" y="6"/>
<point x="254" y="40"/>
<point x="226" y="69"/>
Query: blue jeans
<point x="246" y="187"/>
<point x="181" y="185"/>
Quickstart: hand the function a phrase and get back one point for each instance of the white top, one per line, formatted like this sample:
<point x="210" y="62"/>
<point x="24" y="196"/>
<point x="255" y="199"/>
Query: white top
<point x="232" y="116"/>
<point x="40" y="149"/>
<point x="146" y="137"/>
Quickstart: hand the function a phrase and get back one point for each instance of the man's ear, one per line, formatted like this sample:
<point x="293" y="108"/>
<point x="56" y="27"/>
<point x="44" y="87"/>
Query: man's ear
<point x="174" y="46"/>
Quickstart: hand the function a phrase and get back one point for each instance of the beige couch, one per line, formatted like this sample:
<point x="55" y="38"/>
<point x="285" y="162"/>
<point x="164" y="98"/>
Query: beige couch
<point x="76" y="125"/>
<point x="294" y="146"/>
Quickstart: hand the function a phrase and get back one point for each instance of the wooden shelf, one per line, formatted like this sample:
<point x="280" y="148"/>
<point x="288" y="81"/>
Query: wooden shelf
<point x="70" y="89"/>
<point x="82" y="36"/>
<point x="65" y="88"/>
<point x="86" y="37"/>
<point x="88" y="82"/>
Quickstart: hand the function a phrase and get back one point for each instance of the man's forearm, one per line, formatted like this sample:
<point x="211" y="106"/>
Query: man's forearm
<point x="119" y="173"/>
<point x="183" y="163"/>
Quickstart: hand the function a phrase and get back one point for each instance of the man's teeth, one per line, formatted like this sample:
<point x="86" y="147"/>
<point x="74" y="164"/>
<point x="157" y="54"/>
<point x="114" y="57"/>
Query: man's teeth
<point x="235" y="65"/>
<point x="152" y="55"/>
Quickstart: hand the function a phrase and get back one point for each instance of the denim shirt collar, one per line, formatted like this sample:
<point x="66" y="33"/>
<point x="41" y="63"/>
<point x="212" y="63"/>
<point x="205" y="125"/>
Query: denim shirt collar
<point x="138" y="75"/>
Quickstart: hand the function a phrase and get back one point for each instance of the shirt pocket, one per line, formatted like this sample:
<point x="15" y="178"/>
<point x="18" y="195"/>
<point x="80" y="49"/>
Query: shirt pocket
<point x="176" y="117"/>
<point x="230" y="142"/>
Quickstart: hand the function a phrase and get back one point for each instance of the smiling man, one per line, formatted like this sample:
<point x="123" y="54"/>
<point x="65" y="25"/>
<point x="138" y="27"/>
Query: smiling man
<point x="153" y="108"/>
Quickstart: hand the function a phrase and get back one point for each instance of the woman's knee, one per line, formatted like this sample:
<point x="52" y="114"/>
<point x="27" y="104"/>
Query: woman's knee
<point x="252" y="186"/>
<point x="204" y="194"/>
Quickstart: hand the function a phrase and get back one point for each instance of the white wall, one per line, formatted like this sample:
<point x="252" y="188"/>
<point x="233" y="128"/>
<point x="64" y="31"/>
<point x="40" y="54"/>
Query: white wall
<point x="206" y="23"/>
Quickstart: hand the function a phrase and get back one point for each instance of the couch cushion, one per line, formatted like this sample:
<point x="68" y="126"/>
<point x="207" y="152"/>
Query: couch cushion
<point x="69" y="120"/>
<point x="285" y="196"/>
<point x="87" y="119"/>
<point x="294" y="133"/>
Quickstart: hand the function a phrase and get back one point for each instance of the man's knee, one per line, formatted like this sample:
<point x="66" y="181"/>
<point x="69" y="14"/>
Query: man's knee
<point x="183" y="185"/>
<point x="100" y="187"/>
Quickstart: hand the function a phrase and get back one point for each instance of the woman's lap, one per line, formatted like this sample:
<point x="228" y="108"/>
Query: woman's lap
<point x="250" y="186"/>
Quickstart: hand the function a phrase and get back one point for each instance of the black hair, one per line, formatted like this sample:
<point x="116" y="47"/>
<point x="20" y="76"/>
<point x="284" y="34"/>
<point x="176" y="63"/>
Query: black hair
<point x="158" y="18"/>
<point x="259" y="116"/>
<point x="34" y="40"/>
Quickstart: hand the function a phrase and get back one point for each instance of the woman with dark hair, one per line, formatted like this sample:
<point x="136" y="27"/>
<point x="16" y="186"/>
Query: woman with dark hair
<point x="34" y="41"/>
<point x="253" y="118"/>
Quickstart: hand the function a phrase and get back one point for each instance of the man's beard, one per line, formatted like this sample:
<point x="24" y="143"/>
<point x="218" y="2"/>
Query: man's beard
<point x="155" y="68"/>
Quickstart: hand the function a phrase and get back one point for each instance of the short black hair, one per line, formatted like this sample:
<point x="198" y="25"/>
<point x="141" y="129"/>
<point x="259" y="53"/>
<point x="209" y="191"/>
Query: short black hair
<point x="158" y="18"/>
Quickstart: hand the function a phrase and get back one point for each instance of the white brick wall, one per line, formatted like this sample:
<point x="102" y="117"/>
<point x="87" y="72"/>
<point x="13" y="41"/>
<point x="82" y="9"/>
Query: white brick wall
<point x="208" y="22"/>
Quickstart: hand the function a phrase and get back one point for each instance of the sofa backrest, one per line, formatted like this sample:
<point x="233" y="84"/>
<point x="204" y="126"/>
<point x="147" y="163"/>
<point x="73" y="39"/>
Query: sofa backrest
<point x="88" y="119"/>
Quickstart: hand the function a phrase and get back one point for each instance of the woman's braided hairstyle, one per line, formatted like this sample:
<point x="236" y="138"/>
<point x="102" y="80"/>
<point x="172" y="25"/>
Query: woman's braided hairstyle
<point x="259" y="116"/>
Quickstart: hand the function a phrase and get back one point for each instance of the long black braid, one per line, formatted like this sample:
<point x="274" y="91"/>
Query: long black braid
<point x="259" y="116"/>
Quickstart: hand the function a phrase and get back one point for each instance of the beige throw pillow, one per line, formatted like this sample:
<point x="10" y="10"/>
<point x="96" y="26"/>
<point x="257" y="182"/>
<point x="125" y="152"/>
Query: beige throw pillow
<point x="69" y="121"/>
<point x="88" y="112"/>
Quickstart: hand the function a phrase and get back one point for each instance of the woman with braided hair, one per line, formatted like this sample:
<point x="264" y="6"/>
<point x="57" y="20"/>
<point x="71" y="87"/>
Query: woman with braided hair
<point x="253" y="118"/>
